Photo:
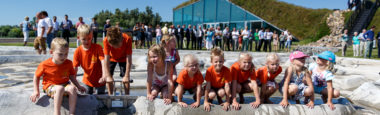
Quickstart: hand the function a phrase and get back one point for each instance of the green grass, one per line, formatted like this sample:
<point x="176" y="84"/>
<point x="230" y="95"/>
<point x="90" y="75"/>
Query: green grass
<point x="350" y="53"/>
<point x="375" y="21"/>
<point x="306" y="24"/>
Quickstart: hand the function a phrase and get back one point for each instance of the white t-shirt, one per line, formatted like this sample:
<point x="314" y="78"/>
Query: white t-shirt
<point x="289" y="38"/>
<point x="49" y="22"/>
<point x="246" y="33"/>
<point x="56" y="26"/>
<point x="42" y="24"/>
<point x="235" y="34"/>
<point x="268" y="35"/>
<point x="218" y="34"/>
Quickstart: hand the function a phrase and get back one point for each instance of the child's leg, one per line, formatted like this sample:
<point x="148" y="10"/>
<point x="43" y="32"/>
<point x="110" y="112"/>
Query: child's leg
<point x="271" y="89"/>
<point x="245" y="88"/>
<point x="240" y="92"/>
<point x="194" y="92"/>
<point x="58" y="90"/>
<point x="72" y="92"/>
<point x="211" y="95"/>
<point x="155" y="90"/>
<point x="292" y="89"/>
<point x="122" y="66"/>
<point x="324" y="93"/>
<point x="221" y="94"/>
<point x="307" y="94"/>
<point x="165" y="92"/>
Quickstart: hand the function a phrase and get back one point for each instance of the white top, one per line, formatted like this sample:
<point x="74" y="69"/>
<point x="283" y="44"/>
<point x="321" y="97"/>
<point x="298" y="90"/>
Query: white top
<point x="42" y="24"/>
<point x="199" y="33"/>
<point x="158" y="32"/>
<point x="289" y="38"/>
<point x="218" y="34"/>
<point x="235" y="34"/>
<point x="246" y="33"/>
<point x="268" y="35"/>
<point x="286" y="33"/>
<point x="261" y="35"/>
<point x="49" y="22"/>
<point x="56" y="26"/>
<point x="170" y="31"/>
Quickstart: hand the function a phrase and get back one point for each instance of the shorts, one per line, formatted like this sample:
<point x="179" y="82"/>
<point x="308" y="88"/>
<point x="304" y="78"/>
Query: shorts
<point x="300" y="92"/>
<point x="134" y="38"/>
<point x="269" y="83"/>
<point x="50" y="91"/>
<point x="40" y="41"/>
<point x="318" y="89"/>
<point x="122" y="66"/>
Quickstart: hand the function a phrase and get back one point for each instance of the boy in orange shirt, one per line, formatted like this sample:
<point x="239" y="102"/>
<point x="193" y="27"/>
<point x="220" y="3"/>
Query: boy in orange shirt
<point x="218" y="79"/>
<point x="117" y="50"/>
<point x="244" y="80"/>
<point x="57" y="72"/>
<point x="190" y="79"/>
<point x="90" y="57"/>
<point x="267" y="75"/>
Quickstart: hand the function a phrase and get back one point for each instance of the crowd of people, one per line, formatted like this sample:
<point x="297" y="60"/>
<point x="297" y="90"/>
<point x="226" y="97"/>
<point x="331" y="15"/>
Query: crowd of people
<point x="99" y="63"/>
<point x="363" y="43"/>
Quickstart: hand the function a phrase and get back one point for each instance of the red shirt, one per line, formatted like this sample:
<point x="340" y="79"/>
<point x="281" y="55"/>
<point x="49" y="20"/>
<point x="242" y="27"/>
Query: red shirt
<point x="54" y="74"/>
<point x="240" y="75"/>
<point x="118" y="54"/>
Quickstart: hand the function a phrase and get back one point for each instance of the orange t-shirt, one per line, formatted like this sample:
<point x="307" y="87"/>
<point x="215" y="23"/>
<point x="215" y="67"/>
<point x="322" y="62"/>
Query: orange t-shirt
<point x="218" y="80"/>
<point x="262" y="74"/>
<point x="54" y="74"/>
<point x="189" y="82"/>
<point x="118" y="54"/>
<point x="240" y="75"/>
<point x="89" y="60"/>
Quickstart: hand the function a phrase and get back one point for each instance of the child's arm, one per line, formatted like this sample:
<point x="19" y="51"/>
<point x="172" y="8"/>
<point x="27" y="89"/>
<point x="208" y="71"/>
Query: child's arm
<point x="262" y="91"/>
<point x="330" y="92"/>
<point x="73" y="80"/>
<point x="177" y="57"/>
<point x="36" y="93"/>
<point x="127" y="69"/>
<point x="170" y="85"/>
<point x="107" y="69"/>
<point x="104" y="76"/>
<point x="226" y="105"/>
<point x="207" y="104"/>
<point x="179" y="96"/>
<point x="288" y="73"/>
<point x="199" y="96"/>
<point x="311" y="86"/>
<point x="256" y="94"/>
<point x="235" y="104"/>
<point x="149" y="82"/>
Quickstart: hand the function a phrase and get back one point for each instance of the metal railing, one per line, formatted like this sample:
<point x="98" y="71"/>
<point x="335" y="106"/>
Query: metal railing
<point x="353" y="20"/>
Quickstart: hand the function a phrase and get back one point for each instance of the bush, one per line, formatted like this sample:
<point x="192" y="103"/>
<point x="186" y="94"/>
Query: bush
<point x="15" y="32"/>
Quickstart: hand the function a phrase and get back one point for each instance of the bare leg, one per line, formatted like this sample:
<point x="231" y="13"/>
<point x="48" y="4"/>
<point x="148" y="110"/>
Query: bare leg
<point x="59" y="91"/>
<point x="71" y="90"/>
<point x="221" y="93"/>
<point x="110" y="88"/>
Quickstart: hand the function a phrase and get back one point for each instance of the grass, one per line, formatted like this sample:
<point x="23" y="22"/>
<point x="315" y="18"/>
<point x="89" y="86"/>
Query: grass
<point x="350" y="53"/>
<point x="375" y="21"/>
<point x="306" y="24"/>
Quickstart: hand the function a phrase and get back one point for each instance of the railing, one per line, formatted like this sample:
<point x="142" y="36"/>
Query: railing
<point x="372" y="13"/>
<point x="360" y="9"/>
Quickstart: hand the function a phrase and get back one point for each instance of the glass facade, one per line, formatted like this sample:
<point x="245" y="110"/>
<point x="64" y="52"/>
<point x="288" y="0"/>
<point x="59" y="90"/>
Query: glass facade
<point x="215" y="12"/>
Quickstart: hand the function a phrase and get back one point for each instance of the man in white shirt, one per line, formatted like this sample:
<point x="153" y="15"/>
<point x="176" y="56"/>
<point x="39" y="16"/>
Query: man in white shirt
<point x="261" y="39"/>
<point x="41" y="35"/>
<point x="268" y="37"/>
<point x="55" y="26"/>
<point x="199" y="38"/>
<point x="218" y="37"/>
<point x="49" y="30"/>
<point x="246" y="34"/>
<point x="363" y="42"/>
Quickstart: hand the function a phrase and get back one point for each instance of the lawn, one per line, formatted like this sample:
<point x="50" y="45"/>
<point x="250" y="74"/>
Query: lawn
<point x="350" y="53"/>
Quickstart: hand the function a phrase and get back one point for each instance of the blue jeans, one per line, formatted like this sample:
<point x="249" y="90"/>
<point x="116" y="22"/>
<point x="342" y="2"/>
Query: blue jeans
<point x="158" y="39"/>
<point x="288" y="44"/>
<point x="369" y="49"/>
<point x="49" y="38"/>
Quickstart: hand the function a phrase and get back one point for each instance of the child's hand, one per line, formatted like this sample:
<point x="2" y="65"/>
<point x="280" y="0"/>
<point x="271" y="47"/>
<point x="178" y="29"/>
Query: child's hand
<point x="125" y="79"/>
<point x="255" y="104"/>
<point x="206" y="106"/>
<point x="226" y="106"/>
<point x="150" y="97"/>
<point x="182" y="104"/>
<point x="195" y="105"/>
<point x="81" y="89"/>
<point x="167" y="101"/>
<point x="284" y="103"/>
<point x="331" y="105"/>
<point x="102" y="80"/>
<point x="235" y="105"/>
<point x="310" y="104"/>
<point x="109" y="79"/>
<point x="34" y="96"/>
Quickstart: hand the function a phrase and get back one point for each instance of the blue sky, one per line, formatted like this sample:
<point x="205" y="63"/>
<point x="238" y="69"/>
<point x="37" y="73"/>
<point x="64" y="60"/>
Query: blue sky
<point x="14" y="11"/>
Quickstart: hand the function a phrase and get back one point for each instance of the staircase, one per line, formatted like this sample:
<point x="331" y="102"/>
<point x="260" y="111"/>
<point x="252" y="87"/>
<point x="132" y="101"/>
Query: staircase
<point x="361" y="17"/>
<point x="361" y="22"/>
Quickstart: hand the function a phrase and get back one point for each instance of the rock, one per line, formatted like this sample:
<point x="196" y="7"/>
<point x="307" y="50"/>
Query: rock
<point x="368" y="94"/>
<point x="144" y="107"/>
<point x="349" y="82"/>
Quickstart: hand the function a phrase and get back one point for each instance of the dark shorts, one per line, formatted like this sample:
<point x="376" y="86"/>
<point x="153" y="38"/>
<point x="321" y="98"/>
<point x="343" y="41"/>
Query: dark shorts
<point x="122" y="67"/>
<point x="99" y="90"/>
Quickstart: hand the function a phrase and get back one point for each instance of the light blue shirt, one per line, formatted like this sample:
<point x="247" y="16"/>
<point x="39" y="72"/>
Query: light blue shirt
<point x="25" y="27"/>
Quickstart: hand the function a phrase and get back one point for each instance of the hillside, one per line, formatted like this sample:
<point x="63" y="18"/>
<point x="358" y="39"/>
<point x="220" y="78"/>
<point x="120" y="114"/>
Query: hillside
<point x="306" y="24"/>
<point x="375" y="21"/>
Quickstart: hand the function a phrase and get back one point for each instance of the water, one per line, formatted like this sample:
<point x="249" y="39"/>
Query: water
<point x="3" y="77"/>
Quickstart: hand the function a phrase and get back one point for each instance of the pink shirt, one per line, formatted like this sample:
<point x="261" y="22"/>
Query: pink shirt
<point x="78" y="24"/>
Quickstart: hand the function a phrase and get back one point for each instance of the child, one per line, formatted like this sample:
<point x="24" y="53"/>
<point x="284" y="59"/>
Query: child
<point x="322" y="77"/>
<point x="90" y="57"/>
<point x="190" y="79"/>
<point x="218" y="80"/>
<point x="57" y="72"/>
<point x="244" y="80"/>
<point x="159" y="72"/>
<point x="294" y="80"/>
<point x="267" y="75"/>
<point x="172" y="55"/>
<point x="117" y="50"/>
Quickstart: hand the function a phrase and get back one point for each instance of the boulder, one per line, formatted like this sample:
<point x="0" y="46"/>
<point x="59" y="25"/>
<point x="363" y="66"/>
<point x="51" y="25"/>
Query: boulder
<point x="368" y="94"/>
<point x="349" y="82"/>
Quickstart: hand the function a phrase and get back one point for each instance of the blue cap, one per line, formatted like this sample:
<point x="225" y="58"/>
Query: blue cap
<point x="327" y="55"/>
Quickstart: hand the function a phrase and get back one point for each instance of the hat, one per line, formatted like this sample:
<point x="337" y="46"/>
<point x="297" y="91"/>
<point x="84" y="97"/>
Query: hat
<point x="297" y="55"/>
<point x="327" y="55"/>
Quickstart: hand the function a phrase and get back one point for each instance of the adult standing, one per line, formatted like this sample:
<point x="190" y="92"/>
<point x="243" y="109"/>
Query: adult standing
<point x="142" y="35"/>
<point x="49" y="30"/>
<point x="275" y="41"/>
<point x="40" y="41"/>
<point x="378" y="45"/>
<point x="66" y="26"/>
<point x="199" y="38"/>
<point x="194" y="38"/>
<point x="55" y="26"/>
<point x="362" y="44"/>
<point x="369" y="36"/>
<point x="210" y="36"/>
<point x="282" y="41"/>
<point x="227" y="38"/>
<point x="180" y="33"/>
<point x="77" y="25"/>
<point x="136" y="35"/>
<point x="268" y="38"/>
<point x="218" y="37"/>
<point x="188" y="32"/>
<point x="25" y="26"/>
<point x="251" y="39"/>
<point x="164" y="30"/>
<point x="94" y="28"/>
<point x="246" y="34"/>
<point x="257" y="38"/>
<point x="159" y="33"/>
<point x="261" y="38"/>
<point x="288" y="43"/>
<point x="107" y="25"/>
<point x="235" y="39"/>
<point x="149" y="37"/>
<point x="356" y="42"/>
<point x="344" y="42"/>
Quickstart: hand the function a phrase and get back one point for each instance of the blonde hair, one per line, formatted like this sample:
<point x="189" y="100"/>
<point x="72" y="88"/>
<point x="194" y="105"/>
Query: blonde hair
<point x="83" y="30"/>
<point x="330" y="67"/>
<point x="217" y="52"/>
<point x="59" y="43"/>
<point x="166" y="39"/>
<point x="114" y="36"/>
<point x="188" y="58"/>
<point x="159" y="50"/>
<point x="272" y="57"/>
<point x="244" y="54"/>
